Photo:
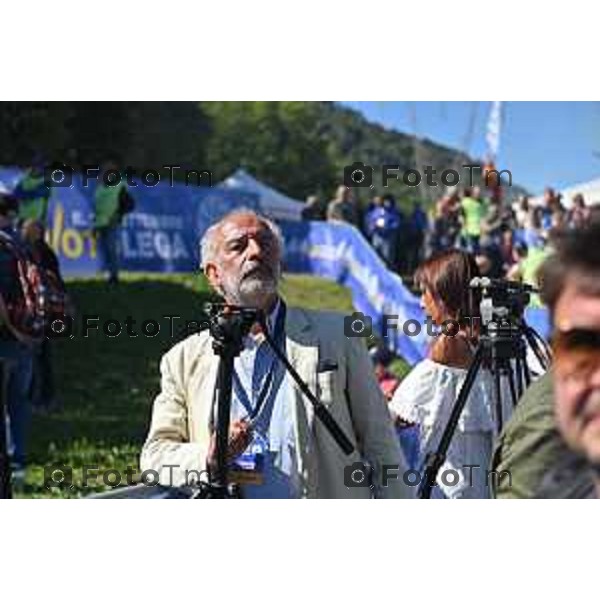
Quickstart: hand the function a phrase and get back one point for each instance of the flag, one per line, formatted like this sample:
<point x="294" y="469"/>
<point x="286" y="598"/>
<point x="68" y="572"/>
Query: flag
<point x="493" y="130"/>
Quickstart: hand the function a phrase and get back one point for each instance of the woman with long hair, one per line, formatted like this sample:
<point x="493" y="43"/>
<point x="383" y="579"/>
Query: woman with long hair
<point x="425" y="397"/>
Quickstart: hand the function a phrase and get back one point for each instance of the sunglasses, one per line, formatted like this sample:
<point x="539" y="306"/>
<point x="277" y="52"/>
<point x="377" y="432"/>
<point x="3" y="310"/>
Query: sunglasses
<point x="576" y="339"/>
<point x="577" y="352"/>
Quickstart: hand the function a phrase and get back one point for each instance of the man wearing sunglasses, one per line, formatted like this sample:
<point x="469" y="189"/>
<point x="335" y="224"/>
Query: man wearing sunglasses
<point x="571" y="289"/>
<point x="551" y="445"/>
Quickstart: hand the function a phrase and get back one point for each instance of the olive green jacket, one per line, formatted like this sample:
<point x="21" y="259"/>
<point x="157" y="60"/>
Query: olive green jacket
<point x="529" y="445"/>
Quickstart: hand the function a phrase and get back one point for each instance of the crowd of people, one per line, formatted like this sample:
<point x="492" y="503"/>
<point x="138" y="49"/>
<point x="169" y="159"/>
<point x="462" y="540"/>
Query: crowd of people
<point x="508" y="239"/>
<point x="551" y="437"/>
<point x="467" y="234"/>
<point x="397" y="237"/>
<point x="277" y="447"/>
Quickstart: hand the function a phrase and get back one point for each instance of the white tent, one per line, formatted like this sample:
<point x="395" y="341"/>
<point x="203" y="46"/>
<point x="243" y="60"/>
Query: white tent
<point x="272" y="203"/>
<point x="590" y="191"/>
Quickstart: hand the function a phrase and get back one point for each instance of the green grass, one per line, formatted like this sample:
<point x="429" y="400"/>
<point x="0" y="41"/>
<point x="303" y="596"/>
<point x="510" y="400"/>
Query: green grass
<point x="107" y="386"/>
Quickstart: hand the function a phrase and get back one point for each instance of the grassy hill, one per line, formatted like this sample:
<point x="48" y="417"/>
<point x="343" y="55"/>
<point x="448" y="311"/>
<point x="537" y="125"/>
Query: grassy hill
<point x="107" y="385"/>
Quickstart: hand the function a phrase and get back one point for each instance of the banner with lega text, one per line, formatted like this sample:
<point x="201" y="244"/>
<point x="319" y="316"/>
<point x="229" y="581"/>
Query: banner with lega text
<point x="161" y="235"/>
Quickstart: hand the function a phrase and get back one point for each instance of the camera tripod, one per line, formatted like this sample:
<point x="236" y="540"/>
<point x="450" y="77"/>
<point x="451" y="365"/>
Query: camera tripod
<point x="228" y="325"/>
<point x="503" y="341"/>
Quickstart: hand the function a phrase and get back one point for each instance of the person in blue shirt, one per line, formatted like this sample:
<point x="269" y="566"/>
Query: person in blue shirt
<point x="382" y="226"/>
<point x="417" y="226"/>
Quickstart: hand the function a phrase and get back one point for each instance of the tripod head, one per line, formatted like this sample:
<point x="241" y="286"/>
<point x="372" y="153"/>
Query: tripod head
<point x="502" y="300"/>
<point x="229" y="324"/>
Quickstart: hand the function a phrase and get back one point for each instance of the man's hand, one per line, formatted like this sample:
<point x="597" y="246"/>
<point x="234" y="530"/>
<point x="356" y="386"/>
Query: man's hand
<point x="240" y="433"/>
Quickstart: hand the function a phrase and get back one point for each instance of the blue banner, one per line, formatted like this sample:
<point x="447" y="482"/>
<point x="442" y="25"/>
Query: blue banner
<point x="161" y="235"/>
<point x="341" y="253"/>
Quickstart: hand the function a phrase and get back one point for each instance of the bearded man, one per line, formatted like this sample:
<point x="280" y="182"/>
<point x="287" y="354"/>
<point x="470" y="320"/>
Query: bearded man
<point x="287" y="452"/>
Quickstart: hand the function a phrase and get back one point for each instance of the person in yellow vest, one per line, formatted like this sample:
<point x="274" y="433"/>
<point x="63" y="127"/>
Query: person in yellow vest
<point x="32" y="196"/>
<point x="473" y="212"/>
<point x="111" y="202"/>
<point x="526" y="270"/>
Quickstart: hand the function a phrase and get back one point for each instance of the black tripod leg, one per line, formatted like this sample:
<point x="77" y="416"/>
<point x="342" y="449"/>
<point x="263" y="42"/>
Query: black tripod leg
<point x="321" y="411"/>
<point x="436" y="459"/>
<point x="511" y="383"/>
<point x="519" y="374"/>
<point x="498" y="397"/>
<point x="223" y="402"/>
<point x="543" y="344"/>
<point x="535" y="346"/>
<point x="527" y="373"/>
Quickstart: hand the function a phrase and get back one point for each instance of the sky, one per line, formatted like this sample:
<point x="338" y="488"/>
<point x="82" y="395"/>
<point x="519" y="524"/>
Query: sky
<point x="541" y="143"/>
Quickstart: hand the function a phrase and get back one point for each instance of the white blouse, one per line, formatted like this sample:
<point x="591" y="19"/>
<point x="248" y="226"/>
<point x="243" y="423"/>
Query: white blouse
<point x="426" y="397"/>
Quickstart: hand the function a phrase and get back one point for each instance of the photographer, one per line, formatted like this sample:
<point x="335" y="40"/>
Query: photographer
<point x="288" y="452"/>
<point x="427" y="394"/>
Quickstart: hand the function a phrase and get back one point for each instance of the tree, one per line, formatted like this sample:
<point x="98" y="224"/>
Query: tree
<point x="279" y="142"/>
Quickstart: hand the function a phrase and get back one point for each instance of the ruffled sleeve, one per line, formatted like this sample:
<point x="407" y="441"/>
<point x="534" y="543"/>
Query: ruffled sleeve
<point x="428" y="393"/>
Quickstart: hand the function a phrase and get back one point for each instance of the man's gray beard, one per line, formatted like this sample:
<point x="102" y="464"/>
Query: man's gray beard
<point x="251" y="291"/>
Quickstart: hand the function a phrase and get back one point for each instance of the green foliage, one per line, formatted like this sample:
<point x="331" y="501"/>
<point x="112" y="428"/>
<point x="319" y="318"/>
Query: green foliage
<point x="279" y="142"/>
<point x="140" y="134"/>
<point x="300" y="148"/>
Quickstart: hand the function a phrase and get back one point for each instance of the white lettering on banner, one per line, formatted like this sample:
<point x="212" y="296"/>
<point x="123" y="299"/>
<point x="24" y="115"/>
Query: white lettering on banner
<point x="79" y="220"/>
<point x="145" y="243"/>
<point x="152" y="244"/>
<point x="152" y="221"/>
<point x="170" y="249"/>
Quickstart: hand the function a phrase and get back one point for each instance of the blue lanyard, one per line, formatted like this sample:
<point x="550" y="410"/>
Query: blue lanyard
<point x="267" y="387"/>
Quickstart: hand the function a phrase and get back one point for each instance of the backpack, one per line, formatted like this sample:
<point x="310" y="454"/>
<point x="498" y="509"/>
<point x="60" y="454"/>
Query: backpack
<point x="41" y="297"/>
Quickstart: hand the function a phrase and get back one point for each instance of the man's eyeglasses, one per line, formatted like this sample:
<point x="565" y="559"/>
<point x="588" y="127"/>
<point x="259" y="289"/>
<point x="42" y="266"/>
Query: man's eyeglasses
<point x="577" y="352"/>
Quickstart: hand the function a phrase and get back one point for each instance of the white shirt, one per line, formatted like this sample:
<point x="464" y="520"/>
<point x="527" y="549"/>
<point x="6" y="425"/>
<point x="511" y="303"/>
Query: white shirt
<point x="426" y="396"/>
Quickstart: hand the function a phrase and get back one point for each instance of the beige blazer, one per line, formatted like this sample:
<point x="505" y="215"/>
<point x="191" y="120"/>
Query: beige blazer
<point x="179" y="433"/>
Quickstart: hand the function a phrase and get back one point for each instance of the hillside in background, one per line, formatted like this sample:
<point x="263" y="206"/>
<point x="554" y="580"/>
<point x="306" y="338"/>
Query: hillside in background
<point x="298" y="147"/>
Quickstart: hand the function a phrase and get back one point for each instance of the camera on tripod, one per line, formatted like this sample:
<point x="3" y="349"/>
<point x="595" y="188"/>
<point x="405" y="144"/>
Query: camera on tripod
<point x="501" y="350"/>
<point x="228" y="323"/>
<point x="502" y="301"/>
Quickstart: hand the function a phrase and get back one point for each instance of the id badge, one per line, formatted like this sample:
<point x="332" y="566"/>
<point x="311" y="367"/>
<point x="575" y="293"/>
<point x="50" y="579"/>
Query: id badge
<point x="249" y="467"/>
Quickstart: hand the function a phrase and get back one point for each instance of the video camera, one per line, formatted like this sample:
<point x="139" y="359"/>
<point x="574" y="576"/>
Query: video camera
<point x="227" y="322"/>
<point x="502" y="300"/>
